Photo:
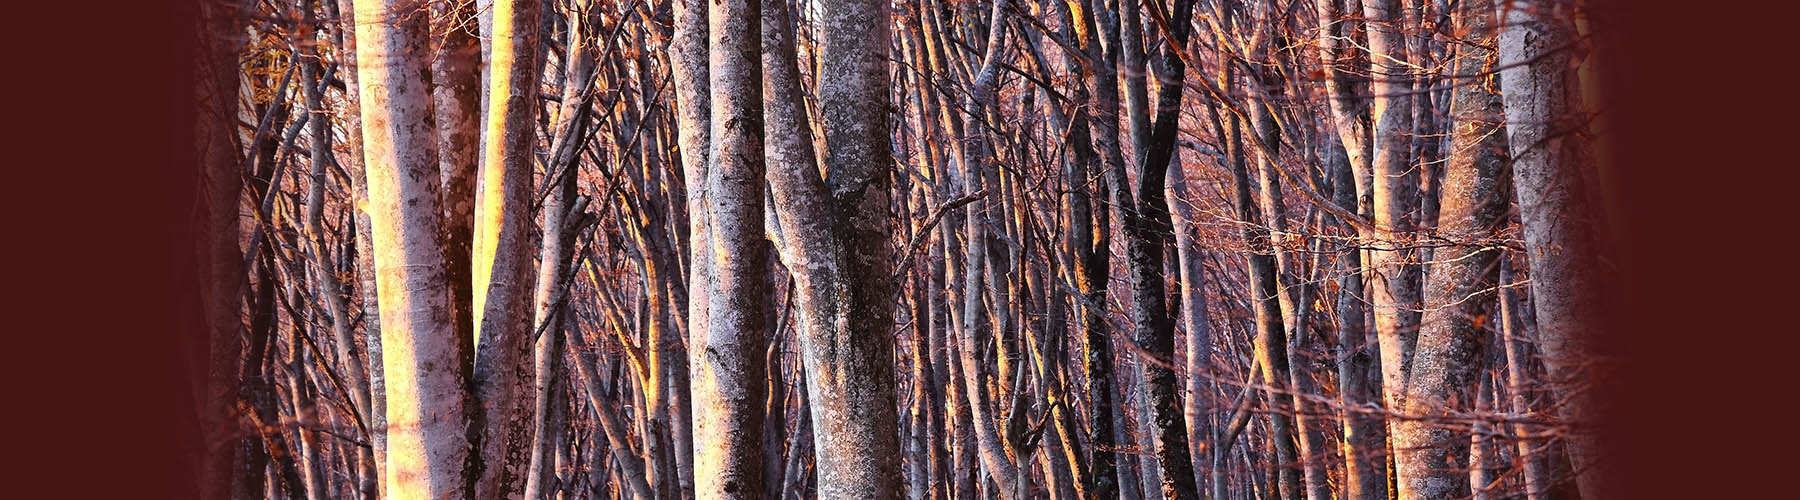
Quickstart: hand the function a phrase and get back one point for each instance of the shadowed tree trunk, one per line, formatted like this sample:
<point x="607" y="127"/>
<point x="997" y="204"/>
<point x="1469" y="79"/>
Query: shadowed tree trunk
<point x="457" y="88"/>
<point x="1545" y="125"/>
<point x="1147" y="230"/>
<point x="219" y="257"/>
<point x="501" y="253"/>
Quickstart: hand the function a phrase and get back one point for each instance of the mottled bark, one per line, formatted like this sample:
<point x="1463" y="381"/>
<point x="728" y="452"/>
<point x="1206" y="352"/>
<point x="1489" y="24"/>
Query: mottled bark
<point x="457" y="89"/>
<point x="691" y="81"/>
<point x="837" y="246"/>
<point x="1089" y="225"/>
<point x="426" y="386"/>
<point x="1459" y="301"/>
<point x="1545" y="126"/>
<point x="727" y="353"/>
<point x="501" y="253"/>
<point x="1392" y="276"/>
<point x="1147" y="230"/>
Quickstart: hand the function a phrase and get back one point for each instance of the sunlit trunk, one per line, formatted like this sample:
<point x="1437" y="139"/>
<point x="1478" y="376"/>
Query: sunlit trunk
<point x="426" y="388"/>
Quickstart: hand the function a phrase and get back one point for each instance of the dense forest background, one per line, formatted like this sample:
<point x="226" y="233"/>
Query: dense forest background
<point x="863" y="249"/>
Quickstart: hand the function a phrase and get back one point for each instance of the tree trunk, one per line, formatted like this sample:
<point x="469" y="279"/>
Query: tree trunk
<point x="837" y="244"/>
<point x="1392" y="276"/>
<point x="1147" y="227"/>
<point x="1545" y="128"/>
<point x="1458" y="300"/>
<point x="457" y="88"/>
<point x="219" y="257"/>
<point x="728" y="350"/>
<point x="501" y="253"/>
<point x="426" y="388"/>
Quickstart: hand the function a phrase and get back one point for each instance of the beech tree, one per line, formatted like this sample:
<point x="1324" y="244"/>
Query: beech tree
<point x="673" y="249"/>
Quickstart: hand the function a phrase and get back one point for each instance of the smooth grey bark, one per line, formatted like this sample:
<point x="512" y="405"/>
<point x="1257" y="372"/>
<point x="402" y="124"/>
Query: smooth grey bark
<point x="331" y="290"/>
<point x="1299" y="476"/>
<point x="1481" y="448"/>
<point x="1392" y="276"/>
<point x="1545" y="127"/>
<point x="1459" y="300"/>
<point x="727" y="352"/>
<point x="1270" y="341"/>
<point x="996" y="456"/>
<point x="561" y="214"/>
<point x="836" y="231"/>
<point x="457" y="90"/>
<point x="1196" y="321"/>
<point x="426" y="388"/>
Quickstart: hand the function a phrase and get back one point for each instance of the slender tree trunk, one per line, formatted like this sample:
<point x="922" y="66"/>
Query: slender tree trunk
<point x="1365" y="438"/>
<point x="622" y="453"/>
<point x="374" y="393"/>
<point x="1089" y="225"/>
<point x="1147" y="227"/>
<point x="560" y="216"/>
<point x="688" y="54"/>
<point x="1195" y="319"/>
<point x="1535" y="472"/>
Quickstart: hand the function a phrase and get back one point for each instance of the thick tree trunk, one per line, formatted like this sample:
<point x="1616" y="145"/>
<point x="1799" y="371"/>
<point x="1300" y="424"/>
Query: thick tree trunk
<point x="837" y="244"/>
<point x="426" y="387"/>
<point x="1392" y="276"/>
<point x="502" y="250"/>
<point x="1459" y="301"/>
<point x="1545" y="128"/>
<point x="728" y="350"/>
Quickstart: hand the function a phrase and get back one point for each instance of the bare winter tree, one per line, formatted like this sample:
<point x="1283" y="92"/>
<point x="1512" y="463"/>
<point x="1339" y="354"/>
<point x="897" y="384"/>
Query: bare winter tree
<point x="673" y="249"/>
